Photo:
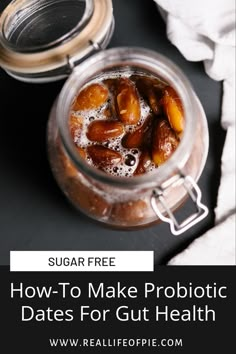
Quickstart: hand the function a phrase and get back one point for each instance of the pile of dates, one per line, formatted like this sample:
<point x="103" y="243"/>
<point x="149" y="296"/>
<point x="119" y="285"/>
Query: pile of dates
<point x="126" y="125"/>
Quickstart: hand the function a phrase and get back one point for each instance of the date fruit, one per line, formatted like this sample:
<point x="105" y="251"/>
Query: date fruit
<point x="137" y="138"/>
<point x="103" y="130"/>
<point x="145" y="162"/>
<point x="164" y="142"/>
<point x="173" y="109"/>
<point x="127" y="102"/>
<point x="152" y="90"/>
<point x="92" y="97"/>
<point x="103" y="157"/>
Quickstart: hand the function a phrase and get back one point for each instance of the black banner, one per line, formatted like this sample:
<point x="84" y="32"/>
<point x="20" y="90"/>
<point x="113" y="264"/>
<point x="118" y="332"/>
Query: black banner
<point x="172" y="310"/>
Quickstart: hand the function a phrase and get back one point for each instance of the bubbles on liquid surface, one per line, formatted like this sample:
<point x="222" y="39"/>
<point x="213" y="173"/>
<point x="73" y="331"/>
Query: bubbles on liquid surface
<point x="130" y="160"/>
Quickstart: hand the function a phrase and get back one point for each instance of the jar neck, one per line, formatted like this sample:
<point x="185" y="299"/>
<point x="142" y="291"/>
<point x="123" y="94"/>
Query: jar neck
<point x="144" y="61"/>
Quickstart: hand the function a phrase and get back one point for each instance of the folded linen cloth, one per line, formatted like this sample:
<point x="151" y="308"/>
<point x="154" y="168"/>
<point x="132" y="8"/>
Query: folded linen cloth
<point x="205" y="30"/>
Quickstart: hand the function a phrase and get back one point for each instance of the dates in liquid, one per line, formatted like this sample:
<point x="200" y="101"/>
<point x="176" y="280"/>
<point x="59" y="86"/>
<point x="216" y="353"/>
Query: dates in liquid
<point x="136" y="112"/>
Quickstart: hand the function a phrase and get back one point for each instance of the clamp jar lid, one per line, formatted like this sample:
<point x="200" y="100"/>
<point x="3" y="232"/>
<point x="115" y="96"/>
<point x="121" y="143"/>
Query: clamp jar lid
<point x="41" y="40"/>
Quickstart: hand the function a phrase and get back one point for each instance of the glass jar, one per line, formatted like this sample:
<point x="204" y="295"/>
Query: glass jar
<point x="141" y="200"/>
<point x="42" y="40"/>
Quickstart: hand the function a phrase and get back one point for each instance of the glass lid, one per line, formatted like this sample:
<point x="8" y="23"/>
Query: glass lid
<point x="40" y="39"/>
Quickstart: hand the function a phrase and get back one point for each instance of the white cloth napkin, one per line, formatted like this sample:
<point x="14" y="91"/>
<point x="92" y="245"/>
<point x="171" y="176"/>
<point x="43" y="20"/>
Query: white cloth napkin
<point x="205" y="30"/>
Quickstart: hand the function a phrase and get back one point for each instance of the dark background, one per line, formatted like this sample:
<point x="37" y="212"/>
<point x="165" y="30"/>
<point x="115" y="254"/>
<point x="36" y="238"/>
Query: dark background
<point x="34" y="215"/>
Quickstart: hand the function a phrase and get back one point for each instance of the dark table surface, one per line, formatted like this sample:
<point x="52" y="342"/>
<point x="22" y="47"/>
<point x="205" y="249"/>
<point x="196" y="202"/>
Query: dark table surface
<point x="34" y="214"/>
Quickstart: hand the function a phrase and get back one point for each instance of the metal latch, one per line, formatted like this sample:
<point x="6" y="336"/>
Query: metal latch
<point x="195" y="194"/>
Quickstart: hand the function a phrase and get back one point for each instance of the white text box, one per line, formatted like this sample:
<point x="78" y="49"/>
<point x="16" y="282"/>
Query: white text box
<point x="85" y="261"/>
